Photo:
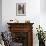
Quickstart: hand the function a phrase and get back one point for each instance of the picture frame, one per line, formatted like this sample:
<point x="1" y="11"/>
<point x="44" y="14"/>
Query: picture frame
<point x="20" y="9"/>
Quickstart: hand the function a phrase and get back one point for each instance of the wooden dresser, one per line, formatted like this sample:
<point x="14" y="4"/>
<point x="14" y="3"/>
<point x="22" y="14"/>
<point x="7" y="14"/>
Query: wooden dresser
<point x="22" y="33"/>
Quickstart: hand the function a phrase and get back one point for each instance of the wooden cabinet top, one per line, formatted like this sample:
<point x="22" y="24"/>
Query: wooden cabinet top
<point x="20" y="23"/>
<point x="17" y="27"/>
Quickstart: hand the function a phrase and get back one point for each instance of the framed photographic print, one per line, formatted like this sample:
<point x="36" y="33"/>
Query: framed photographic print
<point x="20" y="9"/>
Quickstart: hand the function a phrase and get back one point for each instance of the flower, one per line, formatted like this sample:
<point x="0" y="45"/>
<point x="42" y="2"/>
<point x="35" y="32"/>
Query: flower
<point x="40" y="33"/>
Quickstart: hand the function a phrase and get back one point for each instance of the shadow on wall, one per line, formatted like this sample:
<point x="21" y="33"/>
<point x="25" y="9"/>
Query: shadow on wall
<point x="0" y="15"/>
<point x="43" y="6"/>
<point x="0" y="24"/>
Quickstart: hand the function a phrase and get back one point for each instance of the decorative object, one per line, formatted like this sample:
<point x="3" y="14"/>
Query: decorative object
<point x="7" y="38"/>
<point x="41" y="36"/>
<point x="45" y="35"/>
<point x="27" y="21"/>
<point x="13" y="21"/>
<point x="1" y="40"/>
<point x="20" y="9"/>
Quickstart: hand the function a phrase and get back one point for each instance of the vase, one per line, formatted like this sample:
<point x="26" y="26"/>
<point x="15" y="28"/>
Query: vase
<point x="41" y="43"/>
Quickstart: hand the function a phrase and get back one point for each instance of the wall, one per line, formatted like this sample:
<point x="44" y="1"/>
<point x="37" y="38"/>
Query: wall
<point x="43" y="14"/>
<point x="0" y="15"/>
<point x="33" y="13"/>
<point x="9" y="11"/>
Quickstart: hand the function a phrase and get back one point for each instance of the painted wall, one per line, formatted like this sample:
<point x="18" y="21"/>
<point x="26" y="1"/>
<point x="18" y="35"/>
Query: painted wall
<point x="33" y="13"/>
<point x="9" y="11"/>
